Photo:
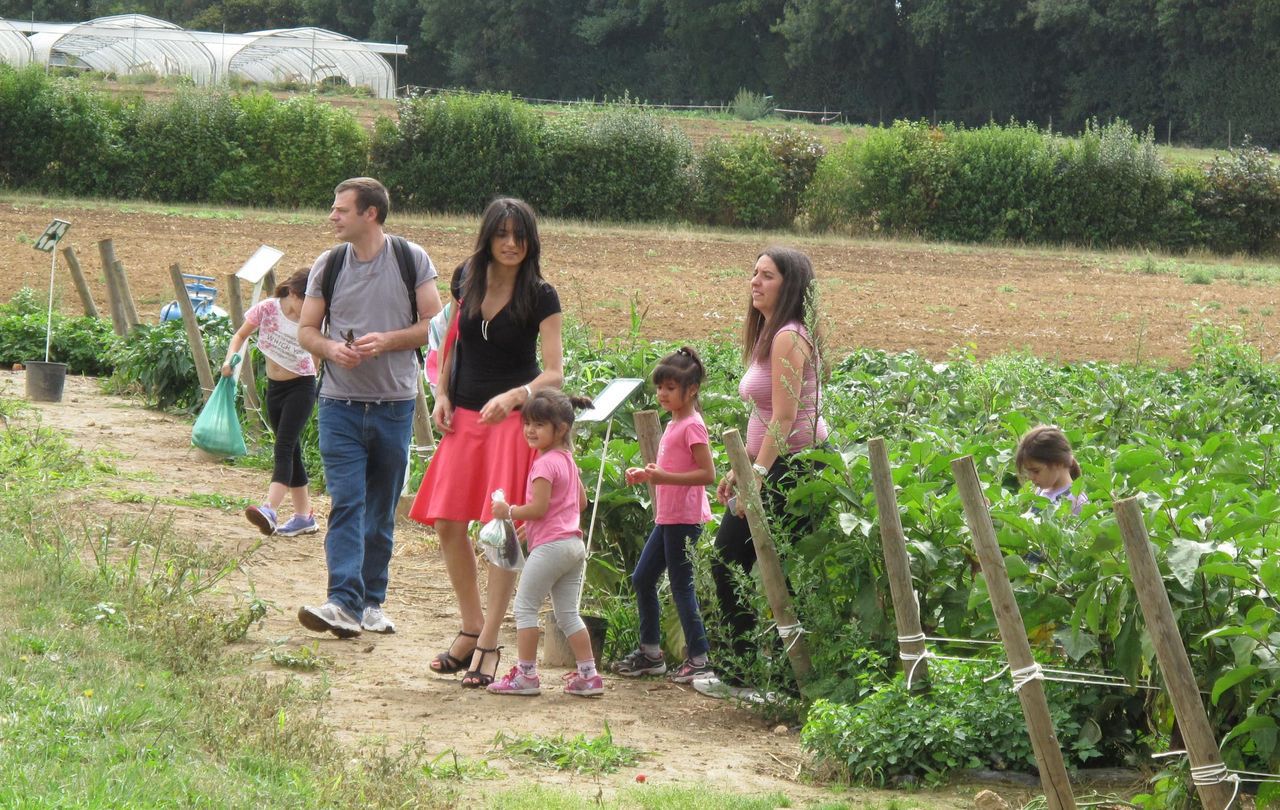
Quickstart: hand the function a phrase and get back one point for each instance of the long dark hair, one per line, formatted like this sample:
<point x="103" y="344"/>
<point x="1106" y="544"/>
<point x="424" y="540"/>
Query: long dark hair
<point x="1047" y="444"/>
<point x="295" y="284"/>
<point x="796" y="302"/>
<point x="529" y="277"/>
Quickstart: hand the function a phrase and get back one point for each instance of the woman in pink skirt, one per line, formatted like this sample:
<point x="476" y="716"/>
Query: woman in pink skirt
<point x="504" y="309"/>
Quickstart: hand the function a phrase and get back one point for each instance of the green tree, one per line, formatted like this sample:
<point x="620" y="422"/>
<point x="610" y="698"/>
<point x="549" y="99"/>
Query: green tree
<point x="720" y="47"/>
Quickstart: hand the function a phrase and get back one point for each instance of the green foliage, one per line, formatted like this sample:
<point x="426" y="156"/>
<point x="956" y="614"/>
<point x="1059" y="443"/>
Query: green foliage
<point x="85" y="344"/>
<point x="750" y="106"/>
<point x="740" y="183"/>
<point x="621" y="163"/>
<point x="155" y="360"/>
<point x="581" y="754"/>
<point x="1239" y="202"/>
<point x="456" y="152"/>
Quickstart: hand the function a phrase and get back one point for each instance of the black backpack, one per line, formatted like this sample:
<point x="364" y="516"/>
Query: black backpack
<point x="404" y="259"/>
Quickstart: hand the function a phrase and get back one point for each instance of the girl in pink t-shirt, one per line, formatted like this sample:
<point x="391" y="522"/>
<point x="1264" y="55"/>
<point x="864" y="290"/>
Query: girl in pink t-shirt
<point x="680" y="479"/>
<point x="557" y="559"/>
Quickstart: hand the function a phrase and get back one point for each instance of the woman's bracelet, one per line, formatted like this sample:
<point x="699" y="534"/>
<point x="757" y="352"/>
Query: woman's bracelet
<point x="760" y="470"/>
<point x="528" y="392"/>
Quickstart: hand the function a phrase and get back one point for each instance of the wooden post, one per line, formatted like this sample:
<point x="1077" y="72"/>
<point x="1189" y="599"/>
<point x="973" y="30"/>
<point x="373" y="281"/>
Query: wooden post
<point x="1180" y="681"/>
<point x="235" y="308"/>
<point x="82" y="286"/>
<point x="649" y="431"/>
<point x="126" y="295"/>
<point x="107" y="252"/>
<point x="198" y="354"/>
<point x="1013" y="633"/>
<point x="906" y="610"/>
<point x="423" y="435"/>
<point x="775" y="582"/>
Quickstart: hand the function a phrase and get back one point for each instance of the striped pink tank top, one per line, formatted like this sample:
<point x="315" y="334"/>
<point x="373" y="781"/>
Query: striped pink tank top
<point x="756" y="388"/>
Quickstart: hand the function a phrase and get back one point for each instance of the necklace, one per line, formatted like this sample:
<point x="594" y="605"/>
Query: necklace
<point x="484" y="329"/>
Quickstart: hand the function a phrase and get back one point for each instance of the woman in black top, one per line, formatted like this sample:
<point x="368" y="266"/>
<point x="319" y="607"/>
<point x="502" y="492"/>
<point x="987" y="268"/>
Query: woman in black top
<point x="504" y="309"/>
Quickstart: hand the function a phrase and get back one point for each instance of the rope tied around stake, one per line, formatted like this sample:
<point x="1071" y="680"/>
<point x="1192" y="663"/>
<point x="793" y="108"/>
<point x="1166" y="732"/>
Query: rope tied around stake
<point x="790" y="633"/>
<point x="1218" y="772"/>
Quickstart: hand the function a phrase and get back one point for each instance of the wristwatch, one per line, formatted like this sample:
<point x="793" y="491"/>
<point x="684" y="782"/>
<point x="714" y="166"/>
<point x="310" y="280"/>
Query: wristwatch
<point x="760" y="469"/>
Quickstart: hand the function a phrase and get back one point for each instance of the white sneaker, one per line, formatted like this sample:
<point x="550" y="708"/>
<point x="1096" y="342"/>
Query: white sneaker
<point x="329" y="618"/>
<point x="375" y="621"/>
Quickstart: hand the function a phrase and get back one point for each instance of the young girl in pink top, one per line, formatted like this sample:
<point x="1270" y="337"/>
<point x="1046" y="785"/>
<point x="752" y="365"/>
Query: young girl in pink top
<point x="557" y="559"/>
<point x="683" y="471"/>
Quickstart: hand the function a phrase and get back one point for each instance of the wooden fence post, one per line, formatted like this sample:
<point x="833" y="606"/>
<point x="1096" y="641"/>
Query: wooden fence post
<point x="126" y="295"/>
<point x="235" y="308"/>
<point x="423" y="435"/>
<point x="775" y="582"/>
<point x="649" y="431"/>
<point x="1013" y="633"/>
<point x="1179" y="679"/>
<point x="107" y="252"/>
<point x="82" y="286"/>
<point x="906" y="610"/>
<point x="198" y="353"/>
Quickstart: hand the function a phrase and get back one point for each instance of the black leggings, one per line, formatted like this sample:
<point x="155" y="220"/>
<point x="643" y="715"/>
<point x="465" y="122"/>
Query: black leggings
<point x="289" y="406"/>
<point x="736" y="551"/>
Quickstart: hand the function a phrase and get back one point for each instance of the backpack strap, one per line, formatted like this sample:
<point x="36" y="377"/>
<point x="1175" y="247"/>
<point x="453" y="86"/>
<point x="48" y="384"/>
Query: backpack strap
<point x="337" y="256"/>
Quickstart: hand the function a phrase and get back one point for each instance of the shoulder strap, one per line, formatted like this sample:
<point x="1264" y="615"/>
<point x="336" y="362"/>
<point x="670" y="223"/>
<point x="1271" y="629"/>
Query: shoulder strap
<point x="337" y="254"/>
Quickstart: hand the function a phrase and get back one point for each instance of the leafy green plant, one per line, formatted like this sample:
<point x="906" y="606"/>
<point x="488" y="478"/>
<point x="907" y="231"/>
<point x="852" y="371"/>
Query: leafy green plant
<point x="750" y="106"/>
<point x="582" y="754"/>
<point x="84" y="344"/>
<point x="155" y="360"/>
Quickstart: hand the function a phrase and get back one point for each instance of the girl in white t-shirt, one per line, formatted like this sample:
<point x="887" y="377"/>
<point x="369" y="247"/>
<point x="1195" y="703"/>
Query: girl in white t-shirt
<point x="291" y="397"/>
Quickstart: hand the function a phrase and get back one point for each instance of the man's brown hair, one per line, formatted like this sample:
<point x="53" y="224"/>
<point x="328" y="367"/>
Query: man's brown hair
<point x="368" y="192"/>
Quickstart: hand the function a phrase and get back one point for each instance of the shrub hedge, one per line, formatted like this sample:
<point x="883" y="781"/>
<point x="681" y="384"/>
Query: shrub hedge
<point x="1010" y="183"/>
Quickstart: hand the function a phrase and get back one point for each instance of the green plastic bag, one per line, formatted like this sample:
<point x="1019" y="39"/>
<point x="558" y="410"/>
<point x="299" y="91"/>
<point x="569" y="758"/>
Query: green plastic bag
<point x="217" y="429"/>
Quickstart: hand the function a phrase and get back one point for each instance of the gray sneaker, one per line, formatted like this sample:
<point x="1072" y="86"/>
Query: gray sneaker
<point x="329" y="618"/>
<point x="375" y="621"/>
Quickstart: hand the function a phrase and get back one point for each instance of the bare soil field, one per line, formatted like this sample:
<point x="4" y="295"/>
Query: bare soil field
<point x="1061" y="304"/>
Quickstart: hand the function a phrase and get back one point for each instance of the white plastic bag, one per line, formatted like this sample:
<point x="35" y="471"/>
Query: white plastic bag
<point x="499" y="541"/>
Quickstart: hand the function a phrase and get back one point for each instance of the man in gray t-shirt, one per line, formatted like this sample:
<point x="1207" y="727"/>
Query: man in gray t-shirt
<point x="367" y="395"/>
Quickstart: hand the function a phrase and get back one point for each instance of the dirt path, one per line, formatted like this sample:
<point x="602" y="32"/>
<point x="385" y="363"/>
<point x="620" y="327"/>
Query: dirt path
<point x="380" y="687"/>
<point x="691" y="284"/>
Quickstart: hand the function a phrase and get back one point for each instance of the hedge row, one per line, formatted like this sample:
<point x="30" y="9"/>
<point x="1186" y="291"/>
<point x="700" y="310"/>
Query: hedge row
<point x="454" y="152"/>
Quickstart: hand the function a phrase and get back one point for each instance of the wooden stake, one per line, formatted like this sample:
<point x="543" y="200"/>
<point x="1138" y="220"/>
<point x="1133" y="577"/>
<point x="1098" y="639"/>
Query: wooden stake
<point x="906" y="610"/>
<point x="198" y="353"/>
<point x="775" y="582"/>
<point x="235" y="308"/>
<point x="1179" y="679"/>
<point x="423" y="435"/>
<point x="649" y="431"/>
<point x="107" y="252"/>
<point x="1013" y="633"/>
<point x="82" y="286"/>
<point x="126" y="295"/>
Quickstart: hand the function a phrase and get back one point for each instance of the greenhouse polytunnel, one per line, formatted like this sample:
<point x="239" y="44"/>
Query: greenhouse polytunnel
<point x="15" y="48"/>
<point x="128" y="44"/>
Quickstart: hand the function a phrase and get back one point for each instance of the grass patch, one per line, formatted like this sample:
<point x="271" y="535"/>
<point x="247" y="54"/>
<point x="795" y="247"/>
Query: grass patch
<point x="637" y="796"/>
<point x="581" y="754"/>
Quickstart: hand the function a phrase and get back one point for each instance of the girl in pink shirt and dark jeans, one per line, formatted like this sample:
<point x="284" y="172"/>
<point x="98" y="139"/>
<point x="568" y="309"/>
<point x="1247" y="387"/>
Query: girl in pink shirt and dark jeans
<point x="680" y="478"/>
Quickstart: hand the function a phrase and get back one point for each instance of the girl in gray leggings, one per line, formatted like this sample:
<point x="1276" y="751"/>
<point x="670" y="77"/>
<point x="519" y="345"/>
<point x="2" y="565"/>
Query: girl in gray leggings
<point x="551" y="514"/>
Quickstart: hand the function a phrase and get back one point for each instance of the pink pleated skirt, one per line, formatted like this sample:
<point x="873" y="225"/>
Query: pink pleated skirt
<point x="469" y="464"/>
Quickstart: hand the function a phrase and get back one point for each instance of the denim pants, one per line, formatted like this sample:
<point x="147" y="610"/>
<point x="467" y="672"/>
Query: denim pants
<point x="667" y="549"/>
<point x="365" y="447"/>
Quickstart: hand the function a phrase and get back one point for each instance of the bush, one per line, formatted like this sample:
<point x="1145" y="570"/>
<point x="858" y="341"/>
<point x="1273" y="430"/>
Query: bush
<point x="750" y="106"/>
<point x="57" y="135"/>
<point x="155" y="360"/>
<point x="83" y="343"/>
<point x="184" y="149"/>
<point x="1240" y="201"/>
<point x="745" y="183"/>
<point x="456" y="152"/>
<point x="620" y="164"/>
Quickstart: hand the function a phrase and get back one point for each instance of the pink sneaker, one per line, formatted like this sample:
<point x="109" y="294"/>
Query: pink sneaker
<point x="575" y="684"/>
<point x="516" y="682"/>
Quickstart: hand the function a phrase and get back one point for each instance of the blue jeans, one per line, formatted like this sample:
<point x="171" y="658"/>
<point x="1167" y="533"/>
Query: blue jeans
<point x="667" y="549"/>
<point x="365" y="447"/>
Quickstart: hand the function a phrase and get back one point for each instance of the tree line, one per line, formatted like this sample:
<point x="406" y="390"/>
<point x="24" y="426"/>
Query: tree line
<point x="1200" y="71"/>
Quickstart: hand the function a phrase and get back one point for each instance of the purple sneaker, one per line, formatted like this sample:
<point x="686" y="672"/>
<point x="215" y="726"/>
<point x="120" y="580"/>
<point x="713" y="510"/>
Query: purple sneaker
<point x="264" y="517"/>
<point x="516" y="682"/>
<point x="298" y="524"/>
<point x="575" y="684"/>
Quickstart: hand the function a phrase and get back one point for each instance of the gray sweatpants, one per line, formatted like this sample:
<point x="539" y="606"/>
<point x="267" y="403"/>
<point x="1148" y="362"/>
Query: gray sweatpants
<point x="554" y="568"/>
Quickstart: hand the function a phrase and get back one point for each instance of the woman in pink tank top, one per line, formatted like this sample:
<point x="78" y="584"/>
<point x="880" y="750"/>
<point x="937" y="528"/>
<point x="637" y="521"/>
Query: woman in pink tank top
<point x="783" y="359"/>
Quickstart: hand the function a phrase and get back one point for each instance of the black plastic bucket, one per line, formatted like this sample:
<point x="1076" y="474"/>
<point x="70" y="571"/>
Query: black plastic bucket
<point x="597" y="628"/>
<point x="45" y="380"/>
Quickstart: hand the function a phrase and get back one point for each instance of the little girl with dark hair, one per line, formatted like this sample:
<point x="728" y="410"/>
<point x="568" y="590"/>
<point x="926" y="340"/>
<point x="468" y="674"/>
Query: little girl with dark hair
<point x="1046" y="459"/>
<point x="680" y="477"/>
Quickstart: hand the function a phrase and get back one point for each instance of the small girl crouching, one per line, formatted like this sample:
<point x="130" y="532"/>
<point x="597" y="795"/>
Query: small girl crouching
<point x="557" y="559"/>
<point x="1046" y="459"/>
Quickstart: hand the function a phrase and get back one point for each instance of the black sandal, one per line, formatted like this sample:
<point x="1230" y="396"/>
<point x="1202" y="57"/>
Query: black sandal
<point x="478" y="679"/>
<point x="448" y="663"/>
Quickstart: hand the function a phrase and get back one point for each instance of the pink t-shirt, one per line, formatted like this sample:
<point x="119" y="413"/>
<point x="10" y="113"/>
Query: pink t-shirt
<point x="278" y="337"/>
<point x="682" y="504"/>
<point x="757" y="388"/>
<point x="563" y="518"/>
